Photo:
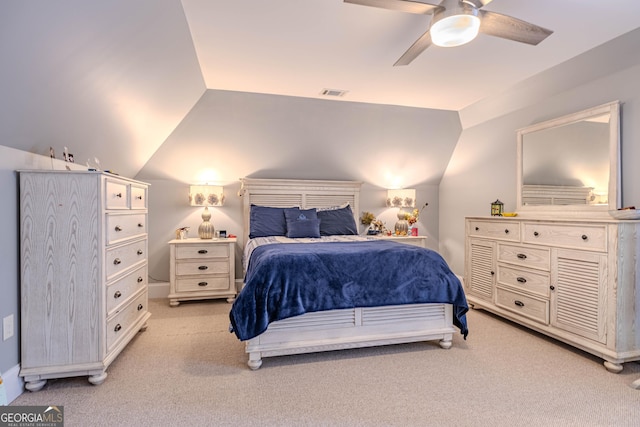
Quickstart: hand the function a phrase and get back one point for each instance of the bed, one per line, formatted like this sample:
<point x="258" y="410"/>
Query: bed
<point x="300" y="296"/>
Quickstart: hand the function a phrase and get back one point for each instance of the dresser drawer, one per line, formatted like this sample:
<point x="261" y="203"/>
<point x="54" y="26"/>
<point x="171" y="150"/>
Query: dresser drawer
<point x="120" y="292"/>
<point x="533" y="308"/>
<point x="498" y="229"/>
<point x="121" y="227"/>
<point x="205" y="283"/>
<point x="533" y="281"/>
<point x="120" y="258"/>
<point x="125" y="319"/>
<point x="138" y="197"/>
<point x="525" y="256"/>
<point x="202" y="251"/>
<point x="203" y="267"/>
<point x="116" y="195"/>
<point x="578" y="236"/>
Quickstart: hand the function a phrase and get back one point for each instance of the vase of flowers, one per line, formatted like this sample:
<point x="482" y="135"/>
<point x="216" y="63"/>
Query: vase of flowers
<point x="375" y="226"/>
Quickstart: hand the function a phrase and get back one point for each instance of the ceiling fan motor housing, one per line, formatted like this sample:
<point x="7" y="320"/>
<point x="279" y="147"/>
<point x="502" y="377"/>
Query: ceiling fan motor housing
<point x="455" y="24"/>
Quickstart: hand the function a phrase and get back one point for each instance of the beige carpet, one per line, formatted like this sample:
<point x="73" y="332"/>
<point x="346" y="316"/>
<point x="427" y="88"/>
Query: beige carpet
<point x="187" y="369"/>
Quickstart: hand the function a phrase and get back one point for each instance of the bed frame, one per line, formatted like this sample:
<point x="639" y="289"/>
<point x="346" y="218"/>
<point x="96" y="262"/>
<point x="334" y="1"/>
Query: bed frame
<point x="336" y="329"/>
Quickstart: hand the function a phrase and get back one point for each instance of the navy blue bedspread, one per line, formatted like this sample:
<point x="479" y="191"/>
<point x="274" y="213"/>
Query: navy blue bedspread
<point x="288" y="279"/>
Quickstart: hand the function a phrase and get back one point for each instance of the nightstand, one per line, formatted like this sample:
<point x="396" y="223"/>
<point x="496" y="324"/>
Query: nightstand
<point x="201" y="269"/>
<point x="409" y="240"/>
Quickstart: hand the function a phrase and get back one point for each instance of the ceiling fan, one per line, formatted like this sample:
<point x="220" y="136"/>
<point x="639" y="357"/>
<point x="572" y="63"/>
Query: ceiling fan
<point x="456" y="22"/>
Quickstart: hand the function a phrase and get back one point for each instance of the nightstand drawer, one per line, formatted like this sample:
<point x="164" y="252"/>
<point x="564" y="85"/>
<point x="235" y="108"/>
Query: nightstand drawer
<point x="205" y="283"/>
<point x="202" y="251"/>
<point x="205" y="266"/>
<point x="527" y="306"/>
<point x="528" y="280"/>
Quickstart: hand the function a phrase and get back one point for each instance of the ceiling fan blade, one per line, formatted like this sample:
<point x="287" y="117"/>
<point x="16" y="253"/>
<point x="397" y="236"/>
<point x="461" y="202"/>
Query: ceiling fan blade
<point x="416" y="49"/>
<point x="506" y="27"/>
<point x="399" y="5"/>
<point x="477" y="3"/>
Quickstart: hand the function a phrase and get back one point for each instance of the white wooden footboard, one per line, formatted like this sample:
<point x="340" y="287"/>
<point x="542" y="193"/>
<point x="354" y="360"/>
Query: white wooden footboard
<point x="353" y="328"/>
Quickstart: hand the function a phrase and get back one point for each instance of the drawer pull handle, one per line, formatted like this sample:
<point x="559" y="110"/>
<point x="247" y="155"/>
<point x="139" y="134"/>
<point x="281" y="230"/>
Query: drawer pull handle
<point x="140" y="225"/>
<point x="506" y="231"/>
<point x="553" y="288"/>
<point x="477" y="228"/>
<point x="521" y="280"/>
<point x="117" y="295"/>
<point x="585" y="237"/>
<point x="203" y="251"/>
<point x="139" y="252"/>
<point x="535" y="233"/>
<point x="202" y="267"/>
<point x="522" y="256"/>
<point x="118" y="228"/>
<point x="519" y="303"/>
<point x="117" y="261"/>
<point x="493" y="273"/>
<point x="140" y="279"/>
<point x="203" y="284"/>
<point x="117" y="328"/>
<point x="118" y="195"/>
<point x="140" y="307"/>
<point x="139" y="197"/>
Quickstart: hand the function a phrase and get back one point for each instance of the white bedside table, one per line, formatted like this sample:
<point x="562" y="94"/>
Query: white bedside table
<point x="409" y="240"/>
<point x="201" y="269"/>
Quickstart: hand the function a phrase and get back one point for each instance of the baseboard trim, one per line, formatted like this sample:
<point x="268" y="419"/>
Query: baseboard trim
<point x="13" y="383"/>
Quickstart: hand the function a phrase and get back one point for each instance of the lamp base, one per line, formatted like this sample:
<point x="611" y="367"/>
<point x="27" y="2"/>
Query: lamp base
<point x="206" y="230"/>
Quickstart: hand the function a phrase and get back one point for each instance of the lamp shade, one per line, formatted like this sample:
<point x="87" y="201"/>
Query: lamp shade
<point x="403" y="198"/>
<point x="206" y="195"/>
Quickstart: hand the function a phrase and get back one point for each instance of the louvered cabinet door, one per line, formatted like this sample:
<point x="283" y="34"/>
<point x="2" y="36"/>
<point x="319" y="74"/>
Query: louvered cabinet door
<point x="578" y="293"/>
<point x="481" y="267"/>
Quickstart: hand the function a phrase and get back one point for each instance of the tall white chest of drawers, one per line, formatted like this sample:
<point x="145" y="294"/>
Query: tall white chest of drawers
<point x="83" y="245"/>
<point x="574" y="280"/>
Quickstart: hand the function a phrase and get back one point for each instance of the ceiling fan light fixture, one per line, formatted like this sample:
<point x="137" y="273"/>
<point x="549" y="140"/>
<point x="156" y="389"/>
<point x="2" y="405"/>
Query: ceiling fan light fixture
<point x="455" y="30"/>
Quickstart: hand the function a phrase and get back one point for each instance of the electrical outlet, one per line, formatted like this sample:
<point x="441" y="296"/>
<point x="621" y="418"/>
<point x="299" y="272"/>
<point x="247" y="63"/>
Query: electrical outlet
<point x="7" y="327"/>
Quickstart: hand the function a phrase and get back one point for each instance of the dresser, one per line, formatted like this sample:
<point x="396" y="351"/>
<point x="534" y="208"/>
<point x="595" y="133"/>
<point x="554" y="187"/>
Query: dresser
<point x="83" y="248"/>
<point x="573" y="280"/>
<point x="201" y="269"/>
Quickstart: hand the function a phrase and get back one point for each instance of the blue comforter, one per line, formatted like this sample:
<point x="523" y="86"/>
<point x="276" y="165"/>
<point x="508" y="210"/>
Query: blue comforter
<point x="288" y="279"/>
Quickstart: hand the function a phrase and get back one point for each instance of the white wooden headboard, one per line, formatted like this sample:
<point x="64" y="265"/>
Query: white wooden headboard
<point x="305" y="194"/>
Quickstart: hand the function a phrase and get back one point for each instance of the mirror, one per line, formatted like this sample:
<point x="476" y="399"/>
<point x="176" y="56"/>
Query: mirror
<point x="571" y="163"/>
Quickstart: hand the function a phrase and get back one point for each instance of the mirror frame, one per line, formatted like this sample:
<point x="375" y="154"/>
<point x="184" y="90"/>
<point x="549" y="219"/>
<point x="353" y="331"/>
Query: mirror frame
<point x="614" y="195"/>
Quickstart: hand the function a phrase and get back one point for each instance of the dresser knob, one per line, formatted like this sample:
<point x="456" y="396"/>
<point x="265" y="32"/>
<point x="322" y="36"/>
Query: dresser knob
<point x="519" y="303"/>
<point x="203" y="251"/>
<point x="139" y="252"/>
<point x="140" y="307"/>
<point x="493" y="273"/>
<point x="506" y="231"/>
<point x="202" y="267"/>
<point x="521" y="280"/>
<point x="139" y="197"/>
<point x="118" y="195"/>
<point x="117" y="261"/>
<point x="140" y="279"/>
<point x="118" y="228"/>
<point x="117" y="328"/>
<point x="140" y="225"/>
<point x="117" y="295"/>
<point x="553" y="288"/>
<point x="521" y="256"/>
<point x="585" y="237"/>
<point x="535" y="233"/>
<point x="477" y="228"/>
<point x="203" y="284"/>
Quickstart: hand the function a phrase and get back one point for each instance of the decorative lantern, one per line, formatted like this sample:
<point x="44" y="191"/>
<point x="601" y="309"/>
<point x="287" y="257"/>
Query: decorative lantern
<point x="496" y="208"/>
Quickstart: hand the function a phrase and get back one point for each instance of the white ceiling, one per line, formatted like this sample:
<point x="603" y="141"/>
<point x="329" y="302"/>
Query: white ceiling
<point x="300" y="47"/>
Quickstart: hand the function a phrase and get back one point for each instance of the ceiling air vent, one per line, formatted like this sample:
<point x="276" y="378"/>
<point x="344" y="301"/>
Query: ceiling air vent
<point x="333" y="92"/>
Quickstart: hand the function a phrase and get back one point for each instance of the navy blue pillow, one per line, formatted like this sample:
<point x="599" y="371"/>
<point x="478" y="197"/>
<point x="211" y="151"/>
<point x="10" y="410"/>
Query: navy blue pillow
<point x="337" y="221"/>
<point x="265" y="221"/>
<point x="303" y="228"/>
<point x="295" y="214"/>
